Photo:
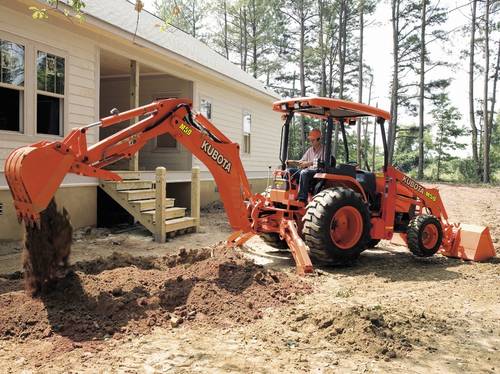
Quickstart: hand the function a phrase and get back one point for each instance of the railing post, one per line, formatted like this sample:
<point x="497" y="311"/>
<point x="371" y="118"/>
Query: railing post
<point x="133" y="164"/>
<point x="160" y="214"/>
<point x="195" y="196"/>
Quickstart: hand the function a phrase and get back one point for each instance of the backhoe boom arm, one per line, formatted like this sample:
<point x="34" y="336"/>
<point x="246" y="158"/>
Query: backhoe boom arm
<point x="35" y="172"/>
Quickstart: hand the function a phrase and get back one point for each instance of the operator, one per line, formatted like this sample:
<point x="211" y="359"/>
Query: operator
<point x="306" y="164"/>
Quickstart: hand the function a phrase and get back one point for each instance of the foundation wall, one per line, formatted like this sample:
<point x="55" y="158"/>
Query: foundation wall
<point x="80" y="202"/>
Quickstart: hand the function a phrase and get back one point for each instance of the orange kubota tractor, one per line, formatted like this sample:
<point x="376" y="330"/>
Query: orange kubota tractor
<point x="348" y="209"/>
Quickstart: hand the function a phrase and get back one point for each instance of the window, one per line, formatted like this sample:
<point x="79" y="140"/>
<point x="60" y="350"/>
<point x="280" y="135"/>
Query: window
<point x="50" y="93"/>
<point x="247" y="129"/>
<point x="11" y="86"/>
<point x="166" y="141"/>
<point x="206" y="108"/>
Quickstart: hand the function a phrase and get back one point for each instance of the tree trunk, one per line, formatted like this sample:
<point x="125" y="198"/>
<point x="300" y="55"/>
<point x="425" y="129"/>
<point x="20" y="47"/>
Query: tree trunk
<point x="360" y="86"/>
<point x="440" y="151"/>
<point x="254" y="39"/>
<point x="366" y="145"/>
<point x="472" y="118"/>
<point x="193" y="14"/>
<point x="302" y="77"/>
<point x="395" y="79"/>
<point x="486" y="131"/>
<point x="494" y="97"/>
<point x="341" y="52"/>
<point x="374" y="144"/>
<point x="322" y="89"/>
<point x="420" y="174"/>
<point x="226" y="44"/>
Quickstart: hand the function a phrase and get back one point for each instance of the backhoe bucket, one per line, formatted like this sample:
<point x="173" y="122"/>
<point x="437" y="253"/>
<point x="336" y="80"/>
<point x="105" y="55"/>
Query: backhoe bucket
<point x="34" y="173"/>
<point x="471" y="242"/>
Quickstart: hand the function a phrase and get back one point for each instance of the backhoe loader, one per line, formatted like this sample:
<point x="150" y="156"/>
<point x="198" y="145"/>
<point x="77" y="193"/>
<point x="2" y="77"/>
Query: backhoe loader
<point x="347" y="211"/>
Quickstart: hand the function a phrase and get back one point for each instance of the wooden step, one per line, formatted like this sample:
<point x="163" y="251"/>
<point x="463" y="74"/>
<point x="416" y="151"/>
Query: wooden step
<point x="179" y="223"/>
<point x="131" y="184"/>
<point x="170" y="213"/>
<point x="139" y="194"/>
<point x="128" y="175"/>
<point x="150" y="204"/>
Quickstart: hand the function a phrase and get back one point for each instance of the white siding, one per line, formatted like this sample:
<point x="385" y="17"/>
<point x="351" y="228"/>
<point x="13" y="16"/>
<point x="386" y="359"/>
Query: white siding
<point x="227" y="115"/>
<point x="81" y="61"/>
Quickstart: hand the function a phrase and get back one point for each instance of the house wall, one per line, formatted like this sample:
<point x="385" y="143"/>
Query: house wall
<point x="228" y="108"/>
<point x="81" y="56"/>
<point x="80" y="106"/>
<point x="115" y="94"/>
<point x="80" y="44"/>
<point x="80" y="202"/>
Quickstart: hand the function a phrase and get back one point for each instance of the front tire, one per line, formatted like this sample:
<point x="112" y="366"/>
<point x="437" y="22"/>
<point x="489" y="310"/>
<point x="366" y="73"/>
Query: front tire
<point x="425" y="235"/>
<point x="336" y="226"/>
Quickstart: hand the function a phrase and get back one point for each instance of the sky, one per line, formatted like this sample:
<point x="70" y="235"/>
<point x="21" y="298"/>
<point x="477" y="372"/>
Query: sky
<point x="378" y="54"/>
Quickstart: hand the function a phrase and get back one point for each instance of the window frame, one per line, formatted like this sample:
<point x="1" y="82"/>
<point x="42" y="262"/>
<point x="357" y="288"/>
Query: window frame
<point x="22" y="104"/>
<point x="245" y="134"/>
<point x="209" y="100"/>
<point x="38" y="47"/>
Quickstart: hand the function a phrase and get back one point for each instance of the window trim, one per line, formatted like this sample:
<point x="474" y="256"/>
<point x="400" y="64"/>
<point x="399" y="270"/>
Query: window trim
<point x="22" y="115"/>
<point x="246" y="112"/>
<point x="211" y="101"/>
<point x="40" y="47"/>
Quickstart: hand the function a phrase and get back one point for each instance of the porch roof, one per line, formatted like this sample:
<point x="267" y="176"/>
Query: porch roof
<point x="122" y="15"/>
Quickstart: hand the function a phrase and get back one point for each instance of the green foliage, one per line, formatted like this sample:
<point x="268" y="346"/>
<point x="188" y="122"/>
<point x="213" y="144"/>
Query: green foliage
<point x="445" y="116"/>
<point x="38" y="13"/>
<point x="187" y="15"/>
<point x="466" y="168"/>
<point x="76" y="6"/>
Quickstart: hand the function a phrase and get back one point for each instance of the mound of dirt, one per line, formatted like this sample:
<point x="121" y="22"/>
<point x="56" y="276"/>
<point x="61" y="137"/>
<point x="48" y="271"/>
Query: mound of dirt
<point x="46" y="249"/>
<point x="376" y="331"/>
<point x="129" y="295"/>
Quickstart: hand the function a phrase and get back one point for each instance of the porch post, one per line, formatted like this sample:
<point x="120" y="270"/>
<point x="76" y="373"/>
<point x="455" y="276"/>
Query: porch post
<point x="195" y="196"/>
<point x="160" y="216"/>
<point x="134" y="103"/>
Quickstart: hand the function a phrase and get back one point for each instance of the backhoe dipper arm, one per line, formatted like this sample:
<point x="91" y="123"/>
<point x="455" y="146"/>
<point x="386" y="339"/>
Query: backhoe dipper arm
<point x="35" y="172"/>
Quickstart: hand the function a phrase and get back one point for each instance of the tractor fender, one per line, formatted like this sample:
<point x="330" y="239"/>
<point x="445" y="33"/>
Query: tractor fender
<point x="334" y="180"/>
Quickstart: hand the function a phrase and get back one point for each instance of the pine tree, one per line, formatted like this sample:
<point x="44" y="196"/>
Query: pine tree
<point x="445" y="116"/>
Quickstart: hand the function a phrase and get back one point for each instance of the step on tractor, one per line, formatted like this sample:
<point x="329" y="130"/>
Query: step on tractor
<point x="347" y="210"/>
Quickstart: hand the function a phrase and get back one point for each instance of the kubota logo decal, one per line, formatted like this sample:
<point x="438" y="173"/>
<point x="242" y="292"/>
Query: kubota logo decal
<point x="223" y="162"/>
<point x="413" y="184"/>
<point x="418" y="187"/>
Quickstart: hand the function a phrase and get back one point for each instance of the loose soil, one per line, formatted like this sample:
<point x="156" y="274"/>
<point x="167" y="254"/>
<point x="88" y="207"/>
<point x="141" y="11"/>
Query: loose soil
<point x="128" y="304"/>
<point x="47" y="247"/>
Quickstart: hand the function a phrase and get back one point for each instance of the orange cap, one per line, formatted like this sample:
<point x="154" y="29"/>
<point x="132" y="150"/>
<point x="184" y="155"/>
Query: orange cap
<point x="314" y="134"/>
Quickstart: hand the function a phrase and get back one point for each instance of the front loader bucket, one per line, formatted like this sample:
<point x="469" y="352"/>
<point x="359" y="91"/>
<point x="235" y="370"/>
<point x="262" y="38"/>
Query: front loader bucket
<point x="471" y="242"/>
<point x="34" y="173"/>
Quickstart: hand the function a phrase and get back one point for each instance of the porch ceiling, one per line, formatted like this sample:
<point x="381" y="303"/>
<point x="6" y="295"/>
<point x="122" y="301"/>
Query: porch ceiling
<point x="113" y="65"/>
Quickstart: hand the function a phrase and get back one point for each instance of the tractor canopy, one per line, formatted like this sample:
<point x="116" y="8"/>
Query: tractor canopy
<point x="323" y="107"/>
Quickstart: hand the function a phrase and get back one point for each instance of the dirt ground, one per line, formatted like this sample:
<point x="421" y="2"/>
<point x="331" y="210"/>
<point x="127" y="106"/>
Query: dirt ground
<point x="131" y="305"/>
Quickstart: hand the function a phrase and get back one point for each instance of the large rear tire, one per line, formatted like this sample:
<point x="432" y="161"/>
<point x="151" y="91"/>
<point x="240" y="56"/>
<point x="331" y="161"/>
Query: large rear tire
<point x="425" y="235"/>
<point x="336" y="226"/>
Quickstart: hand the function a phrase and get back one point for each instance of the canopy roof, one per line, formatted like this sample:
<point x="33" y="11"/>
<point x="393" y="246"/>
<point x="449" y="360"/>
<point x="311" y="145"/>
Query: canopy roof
<point x="322" y="107"/>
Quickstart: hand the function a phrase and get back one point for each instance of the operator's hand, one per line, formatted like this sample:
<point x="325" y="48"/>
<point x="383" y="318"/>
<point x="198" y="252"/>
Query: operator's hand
<point x="305" y="164"/>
